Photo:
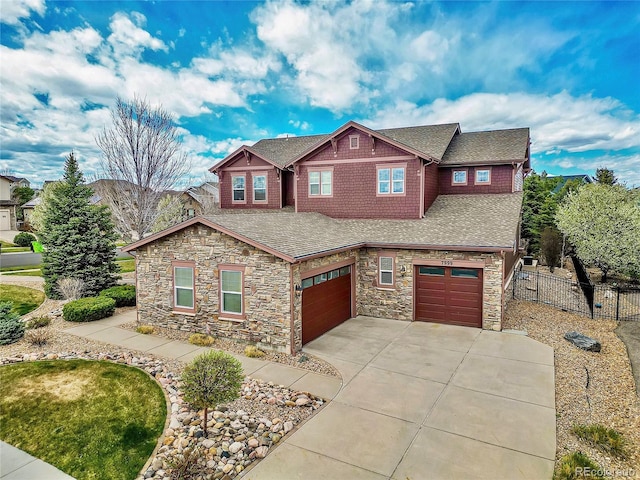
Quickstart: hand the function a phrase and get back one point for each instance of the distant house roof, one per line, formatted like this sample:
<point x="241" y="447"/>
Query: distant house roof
<point x="14" y="179"/>
<point x="496" y="146"/>
<point x="482" y="222"/>
<point x="583" y="178"/>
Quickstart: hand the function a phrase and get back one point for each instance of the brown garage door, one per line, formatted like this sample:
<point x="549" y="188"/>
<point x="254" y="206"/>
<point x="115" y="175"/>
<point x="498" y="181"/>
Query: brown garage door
<point x="449" y="295"/>
<point x="326" y="302"/>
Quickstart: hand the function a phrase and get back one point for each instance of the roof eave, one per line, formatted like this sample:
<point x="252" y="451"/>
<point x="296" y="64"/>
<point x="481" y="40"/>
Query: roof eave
<point x="233" y="155"/>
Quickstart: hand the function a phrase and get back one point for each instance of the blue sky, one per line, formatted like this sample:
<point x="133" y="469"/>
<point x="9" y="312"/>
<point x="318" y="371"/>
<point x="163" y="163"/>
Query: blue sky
<point x="235" y="72"/>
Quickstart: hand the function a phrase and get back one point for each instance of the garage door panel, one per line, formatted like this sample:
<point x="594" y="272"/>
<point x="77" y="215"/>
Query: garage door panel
<point x="325" y="305"/>
<point x="453" y="297"/>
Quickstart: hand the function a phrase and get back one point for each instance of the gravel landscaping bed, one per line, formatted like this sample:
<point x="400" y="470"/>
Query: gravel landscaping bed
<point x="590" y="387"/>
<point x="300" y="360"/>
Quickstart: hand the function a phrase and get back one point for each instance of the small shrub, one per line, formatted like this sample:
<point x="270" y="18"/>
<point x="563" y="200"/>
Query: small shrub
<point x="11" y="327"/>
<point x="146" y="329"/>
<point x="124" y="295"/>
<point x="88" y="309"/>
<point x="252" y="351"/>
<point x="184" y="466"/>
<point x="38" y="322"/>
<point x="551" y="247"/>
<point x="24" y="239"/>
<point x="70" y="288"/>
<point x="39" y="338"/>
<point x="572" y="465"/>
<point x="605" y="439"/>
<point x="212" y="378"/>
<point x="201" y="340"/>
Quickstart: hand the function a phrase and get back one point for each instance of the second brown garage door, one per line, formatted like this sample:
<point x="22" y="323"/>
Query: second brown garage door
<point x="326" y="302"/>
<point x="449" y="295"/>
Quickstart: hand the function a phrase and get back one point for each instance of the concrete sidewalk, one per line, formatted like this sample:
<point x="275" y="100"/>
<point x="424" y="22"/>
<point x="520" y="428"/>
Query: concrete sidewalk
<point x="108" y="330"/>
<point x="18" y="465"/>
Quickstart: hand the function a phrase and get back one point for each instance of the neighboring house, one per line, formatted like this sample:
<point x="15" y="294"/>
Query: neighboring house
<point x="29" y="207"/>
<point x="415" y="224"/>
<point x="200" y="200"/>
<point x="564" y="179"/>
<point x="7" y="204"/>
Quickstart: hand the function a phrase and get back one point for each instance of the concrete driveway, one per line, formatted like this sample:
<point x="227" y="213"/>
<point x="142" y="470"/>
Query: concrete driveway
<point x="424" y="400"/>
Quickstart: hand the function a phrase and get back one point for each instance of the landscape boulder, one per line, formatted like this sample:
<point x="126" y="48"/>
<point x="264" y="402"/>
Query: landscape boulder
<point x="583" y="342"/>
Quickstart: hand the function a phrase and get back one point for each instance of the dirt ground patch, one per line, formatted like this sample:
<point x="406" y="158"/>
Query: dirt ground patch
<point x="590" y="387"/>
<point x="64" y="386"/>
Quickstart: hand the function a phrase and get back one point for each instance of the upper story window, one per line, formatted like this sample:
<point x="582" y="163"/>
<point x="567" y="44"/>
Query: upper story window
<point x="483" y="176"/>
<point x="391" y="180"/>
<point x="320" y="183"/>
<point x="183" y="287"/>
<point x="238" y="186"/>
<point x="459" y="177"/>
<point x="385" y="271"/>
<point x="259" y="188"/>
<point x="354" y="142"/>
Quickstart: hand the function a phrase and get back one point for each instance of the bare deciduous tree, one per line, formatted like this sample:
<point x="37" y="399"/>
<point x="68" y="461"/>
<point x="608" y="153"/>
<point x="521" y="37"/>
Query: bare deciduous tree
<point x="142" y="155"/>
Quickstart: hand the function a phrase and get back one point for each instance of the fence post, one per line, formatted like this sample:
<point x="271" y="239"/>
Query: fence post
<point x="537" y="287"/>
<point x="618" y="303"/>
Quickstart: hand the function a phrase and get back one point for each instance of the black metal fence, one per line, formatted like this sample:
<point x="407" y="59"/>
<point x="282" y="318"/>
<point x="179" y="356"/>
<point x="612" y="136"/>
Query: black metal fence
<point x="608" y="301"/>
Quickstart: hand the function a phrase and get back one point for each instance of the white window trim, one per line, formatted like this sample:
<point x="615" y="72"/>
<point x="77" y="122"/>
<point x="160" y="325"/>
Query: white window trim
<point x="224" y="312"/>
<point x="453" y="177"/>
<point x="488" y="181"/>
<point x="266" y="187"/>
<point x="382" y="270"/>
<point x="244" y="190"/>
<point x="320" y="171"/>
<point x="391" y="168"/>
<point x="183" y="308"/>
<point x="357" y="143"/>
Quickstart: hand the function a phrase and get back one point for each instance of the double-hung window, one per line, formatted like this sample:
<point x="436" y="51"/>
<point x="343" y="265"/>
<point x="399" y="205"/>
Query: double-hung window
<point x="320" y="183"/>
<point x="183" y="287"/>
<point x="385" y="271"/>
<point x="391" y="180"/>
<point x="238" y="186"/>
<point x="259" y="188"/>
<point x="231" y="300"/>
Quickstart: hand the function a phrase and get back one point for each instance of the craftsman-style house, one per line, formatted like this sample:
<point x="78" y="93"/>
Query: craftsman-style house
<point x="417" y="224"/>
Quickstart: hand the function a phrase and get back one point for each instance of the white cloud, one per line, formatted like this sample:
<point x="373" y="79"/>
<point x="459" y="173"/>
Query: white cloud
<point x="129" y="38"/>
<point x="557" y="122"/>
<point x="12" y="11"/>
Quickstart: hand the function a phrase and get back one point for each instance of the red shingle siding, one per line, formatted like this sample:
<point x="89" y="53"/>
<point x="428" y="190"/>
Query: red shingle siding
<point x="501" y="180"/>
<point x="430" y="185"/>
<point x="256" y="167"/>
<point x="289" y="179"/>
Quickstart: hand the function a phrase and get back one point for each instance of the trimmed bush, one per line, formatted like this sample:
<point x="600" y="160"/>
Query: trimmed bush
<point x="24" y="239"/>
<point x="124" y="295"/>
<point x="38" y="322"/>
<point x="89" y="309"/>
<point x="11" y="327"/>
<point x="201" y="340"/>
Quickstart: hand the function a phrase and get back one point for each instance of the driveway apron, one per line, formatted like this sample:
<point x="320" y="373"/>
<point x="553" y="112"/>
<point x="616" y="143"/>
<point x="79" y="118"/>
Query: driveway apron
<point x="425" y="400"/>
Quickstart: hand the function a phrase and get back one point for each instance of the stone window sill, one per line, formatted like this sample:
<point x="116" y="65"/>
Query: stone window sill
<point x="188" y="314"/>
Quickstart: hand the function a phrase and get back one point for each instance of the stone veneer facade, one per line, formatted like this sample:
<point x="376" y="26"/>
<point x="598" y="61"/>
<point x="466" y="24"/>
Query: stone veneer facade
<point x="267" y="286"/>
<point x="267" y="291"/>
<point x="397" y="302"/>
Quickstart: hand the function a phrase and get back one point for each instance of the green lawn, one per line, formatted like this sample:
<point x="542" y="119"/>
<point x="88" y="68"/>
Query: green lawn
<point x="24" y="299"/>
<point x="82" y="416"/>
<point x="128" y="265"/>
<point x="6" y="244"/>
<point x="15" y="249"/>
<point x="34" y="273"/>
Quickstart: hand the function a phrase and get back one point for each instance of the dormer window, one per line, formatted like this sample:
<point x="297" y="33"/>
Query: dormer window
<point x="354" y="142"/>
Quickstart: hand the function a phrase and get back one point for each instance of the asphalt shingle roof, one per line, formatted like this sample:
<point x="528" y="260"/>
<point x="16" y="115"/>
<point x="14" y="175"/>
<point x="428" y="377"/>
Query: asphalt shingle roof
<point x="283" y="150"/>
<point x="432" y="140"/>
<point x="464" y="221"/>
<point x="495" y="146"/>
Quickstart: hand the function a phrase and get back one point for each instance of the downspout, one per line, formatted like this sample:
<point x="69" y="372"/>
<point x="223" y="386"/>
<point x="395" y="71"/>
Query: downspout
<point x="421" y="173"/>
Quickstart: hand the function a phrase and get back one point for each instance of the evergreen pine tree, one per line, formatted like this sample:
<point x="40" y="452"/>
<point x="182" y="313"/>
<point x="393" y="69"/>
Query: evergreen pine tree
<point x="78" y="237"/>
